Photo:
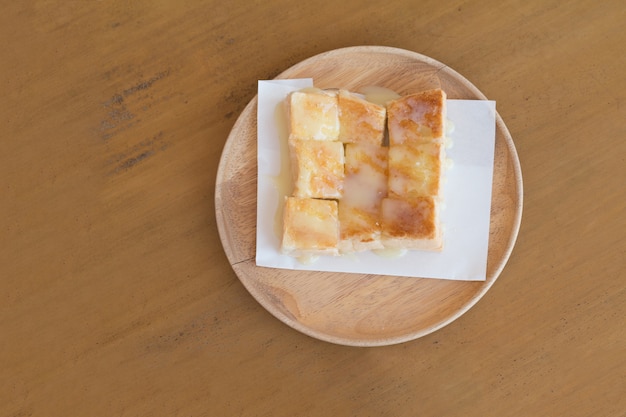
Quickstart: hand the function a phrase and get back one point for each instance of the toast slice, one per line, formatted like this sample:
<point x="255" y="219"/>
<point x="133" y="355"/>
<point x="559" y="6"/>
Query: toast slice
<point x="410" y="216"/>
<point x="313" y="115"/>
<point x="352" y="194"/>
<point x="411" y="224"/>
<point x="417" y="118"/>
<point x="365" y="185"/>
<point x="310" y="227"/>
<point x="317" y="168"/>
<point x="415" y="170"/>
<point x="360" y="121"/>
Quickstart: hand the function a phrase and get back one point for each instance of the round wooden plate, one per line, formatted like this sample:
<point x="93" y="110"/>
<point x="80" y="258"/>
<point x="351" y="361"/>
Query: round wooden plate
<point x="357" y="309"/>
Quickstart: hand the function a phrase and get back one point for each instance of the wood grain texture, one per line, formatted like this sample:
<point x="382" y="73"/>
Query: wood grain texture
<point x="117" y="298"/>
<point x="361" y="309"/>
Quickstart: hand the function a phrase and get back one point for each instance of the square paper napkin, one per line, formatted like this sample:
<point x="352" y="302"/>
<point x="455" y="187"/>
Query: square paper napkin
<point x="465" y="211"/>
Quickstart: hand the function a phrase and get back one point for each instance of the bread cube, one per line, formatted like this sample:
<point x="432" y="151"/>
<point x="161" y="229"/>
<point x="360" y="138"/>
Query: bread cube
<point x="313" y="115"/>
<point x="310" y="227"/>
<point x="360" y="121"/>
<point x="411" y="224"/>
<point x="415" y="170"/>
<point x="317" y="168"/>
<point x="359" y="229"/>
<point x="417" y="118"/>
<point x="365" y="185"/>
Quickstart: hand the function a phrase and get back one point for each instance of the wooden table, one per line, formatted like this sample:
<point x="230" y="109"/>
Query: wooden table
<point x="116" y="297"/>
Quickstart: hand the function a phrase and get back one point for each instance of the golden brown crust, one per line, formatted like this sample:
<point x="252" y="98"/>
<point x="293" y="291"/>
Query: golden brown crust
<point x="317" y="168"/>
<point x="359" y="229"/>
<point x="417" y="118"/>
<point x="365" y="185"/>
<point x="310" y="227"/>
<point x="415" y="170"/>
<point x="360" y="121"/>
<point x="313" y="115"/>
<point x="411" y="224"/>
<point x="359" y="156"/>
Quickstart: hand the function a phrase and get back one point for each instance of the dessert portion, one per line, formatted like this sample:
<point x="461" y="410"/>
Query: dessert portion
<point x="415" y="170"/>
<point x="310" y="216"/>
<point x="365" y="186"/>
<point x="360" y="121"/>
<point x="317" y="168"/>
<point x="313" y="115"/>
<point x="417" y="118"/>
<point x="310" y="227"/>
<point x="353" y="194"/>
<point x="410" y="217"/>
<point x="411" y="223"/>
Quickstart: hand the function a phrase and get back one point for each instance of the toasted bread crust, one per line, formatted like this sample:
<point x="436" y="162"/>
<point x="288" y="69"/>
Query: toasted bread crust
<point x="415" y="170"/>
<point x="417" y="118"/>
<point x="411" y="224"/>
<point x="313" y="115"/>
<point x="365" y="185"/>
<point x="317" y="168"/>
<point x="360" y="121"/>
<point x="310" y="227"/>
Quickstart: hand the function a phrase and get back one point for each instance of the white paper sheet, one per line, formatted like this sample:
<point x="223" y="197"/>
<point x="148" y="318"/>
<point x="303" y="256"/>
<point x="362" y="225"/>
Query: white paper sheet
<point x="467" y="197"/>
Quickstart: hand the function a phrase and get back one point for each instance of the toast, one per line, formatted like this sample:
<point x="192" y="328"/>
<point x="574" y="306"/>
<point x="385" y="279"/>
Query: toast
<point x="360" y="121"/>
<point x="353" y="194"/>
<point x="411" y="224"/>
<point x="313" y="115"/>
<point x="417" y="118"/>
<point x="410" y="216"/>
<point x="317" y="168"/>
<point x="365" y="185"/>
<point x="415" y="170"/>
<point x="310" y="227"/>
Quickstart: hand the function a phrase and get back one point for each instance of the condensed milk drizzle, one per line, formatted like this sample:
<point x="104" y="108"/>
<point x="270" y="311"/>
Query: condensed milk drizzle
<point x="390" y="253"/>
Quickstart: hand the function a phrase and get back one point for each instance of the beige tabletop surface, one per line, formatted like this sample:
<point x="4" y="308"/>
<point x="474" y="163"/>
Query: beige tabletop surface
<point x="117" y="297"/>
